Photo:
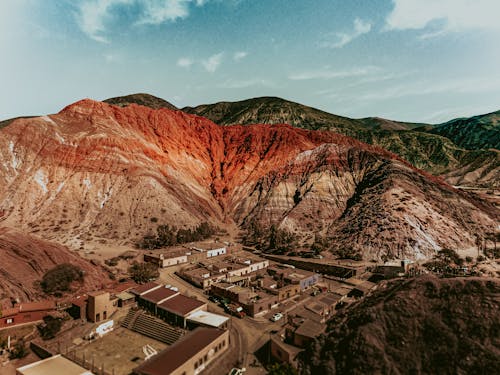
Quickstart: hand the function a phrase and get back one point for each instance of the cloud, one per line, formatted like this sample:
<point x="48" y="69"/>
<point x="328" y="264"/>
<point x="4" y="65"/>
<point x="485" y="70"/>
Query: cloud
<point x="94" y="15"/>
<point x="185" y="62"/>
<point x="240" y="55"/>
<point x="449" y="15"/>
<point x="341" y="39"/>
<point x="328" y="73"/>
<point x="212" y="63"/>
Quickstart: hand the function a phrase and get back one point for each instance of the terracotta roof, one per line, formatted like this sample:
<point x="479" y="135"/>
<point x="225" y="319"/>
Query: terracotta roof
<point x="37" y="306"/>
<point x="170" y="359"/>
<point x="158" y="295"/>
<point x="9" y="312"/>
<point x="181" y="305"/>
<point x="144" y="288"/>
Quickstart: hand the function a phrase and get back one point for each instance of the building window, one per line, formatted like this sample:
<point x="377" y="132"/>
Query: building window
<point x="10" y="321"/>
<point x="205" y="358"/>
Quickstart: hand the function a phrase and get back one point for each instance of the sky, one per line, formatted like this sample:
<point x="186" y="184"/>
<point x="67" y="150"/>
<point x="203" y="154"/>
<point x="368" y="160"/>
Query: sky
<point x="408" y="60"/>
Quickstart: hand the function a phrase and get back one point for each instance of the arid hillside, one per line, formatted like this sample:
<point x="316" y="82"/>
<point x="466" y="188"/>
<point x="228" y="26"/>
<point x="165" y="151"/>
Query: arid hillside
<point x="97" y="172"/>
<point x="26" y="258"/>
<point x="420" y="326"/>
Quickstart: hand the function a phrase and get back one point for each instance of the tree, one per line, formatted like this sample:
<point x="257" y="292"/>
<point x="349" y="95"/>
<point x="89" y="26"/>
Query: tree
<point x="19" y="350"/>
<point x="50" y="327"/>
<point x="60" y="278"/>
<point x="281" y="369"/>
<point x="143" y="272"/>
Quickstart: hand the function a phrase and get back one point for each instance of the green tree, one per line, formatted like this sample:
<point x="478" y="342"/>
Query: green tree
<point x="50" y="327"/>
<point x="143" y="272"/>
<point x="60" y="278"/>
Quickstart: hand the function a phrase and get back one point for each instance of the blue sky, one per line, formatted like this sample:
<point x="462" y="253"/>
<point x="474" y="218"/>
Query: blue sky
<point x="411" y="60"/>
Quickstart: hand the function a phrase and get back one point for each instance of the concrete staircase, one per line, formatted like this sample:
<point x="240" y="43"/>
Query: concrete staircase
<point x="147" y="325"/>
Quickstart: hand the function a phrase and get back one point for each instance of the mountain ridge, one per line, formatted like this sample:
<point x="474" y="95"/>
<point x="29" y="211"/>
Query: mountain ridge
<point x="129" y="168"/>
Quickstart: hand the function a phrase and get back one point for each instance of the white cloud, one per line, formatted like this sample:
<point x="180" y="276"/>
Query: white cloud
<point x="328" y="73"/>
<point x="185" y="62"/>
<point x="240" y="55"/>
<point x="341" y="39"/>
<point x="451" y="15"/>
<point x="212" y="63"/>
<point x="94" y="15"/>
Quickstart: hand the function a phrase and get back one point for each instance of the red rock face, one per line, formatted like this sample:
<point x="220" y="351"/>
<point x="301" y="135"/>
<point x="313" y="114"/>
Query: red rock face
<point x="99" y="172"/>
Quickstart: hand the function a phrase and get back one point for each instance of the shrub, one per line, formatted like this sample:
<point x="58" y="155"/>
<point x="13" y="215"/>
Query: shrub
<point x="60" y="278"/>
<point x="170" y="236"/>
<point x="143" y="272"/>
<point x="50" y="327"/>
<point x="19" y="350"/>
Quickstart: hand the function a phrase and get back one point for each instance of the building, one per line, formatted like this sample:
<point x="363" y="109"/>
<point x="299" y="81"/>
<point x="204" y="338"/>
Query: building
<point x="100" y="306"/>
<point x="125" y="299"/>
<point x="207" y="319"/>
<point x="284" y="352"/>
<point x="26" y="313"/>
<point x="202" y="277"/>
<point x="52" y="366"/>
<point x="277" y="287"/>
<point x="168" y="258"/>
<point x="188" y="356"/>
<point x="150" y="300"/>
<point x="254" y="303"/>
<point x="305" y="279"/>
<point x="176" y="310"/>
<point x="300" y="332"/>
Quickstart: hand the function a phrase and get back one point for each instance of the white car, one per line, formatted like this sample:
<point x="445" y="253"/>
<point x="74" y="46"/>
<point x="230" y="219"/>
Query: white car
<point x="276" y="317"/>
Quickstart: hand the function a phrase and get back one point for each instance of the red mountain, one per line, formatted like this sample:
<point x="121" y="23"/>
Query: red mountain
<point x="97" y="171"/>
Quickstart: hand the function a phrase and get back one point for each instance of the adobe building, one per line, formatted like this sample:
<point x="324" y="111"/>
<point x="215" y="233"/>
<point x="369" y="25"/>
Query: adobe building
<point x="100" y="306"/>
<point x="188" y="356"/>
<point x="26" y="313"/>
<point x="168" y="258"/>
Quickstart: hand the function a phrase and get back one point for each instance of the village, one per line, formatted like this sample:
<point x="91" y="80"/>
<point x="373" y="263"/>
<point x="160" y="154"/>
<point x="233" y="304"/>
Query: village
<point x="216" y="307"/>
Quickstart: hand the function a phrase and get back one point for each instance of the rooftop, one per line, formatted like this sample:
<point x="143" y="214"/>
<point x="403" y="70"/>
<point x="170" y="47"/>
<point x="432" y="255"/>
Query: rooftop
<point x="310" y="329"/>
<point x="144" y="288"/>
<point x="53" y="365"/>
<point x="125" y="296"/>
<point x="181" y="304"/>
<point x="97" y="293"/>
<point x="159" y="294"/>
<point x="208" y="318"/>
<point x="168" y="360"/>
<point x="37" y="306"/>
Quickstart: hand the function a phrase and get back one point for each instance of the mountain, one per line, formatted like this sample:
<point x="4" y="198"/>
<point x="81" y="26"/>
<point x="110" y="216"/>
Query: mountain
<point x="141" y="99"/>
<point x="431" y="152"/>
<point x="478" y="132"/>
<point x="26" y="258"/>
<point x="272" y="110"/>
<point x="418" y="326"/>
<point x="97" y="172"/>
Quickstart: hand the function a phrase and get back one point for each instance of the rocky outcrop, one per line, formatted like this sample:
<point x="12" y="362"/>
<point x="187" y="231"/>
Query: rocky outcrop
<point x="96" y="171"/>
<point x="418" y="326"/>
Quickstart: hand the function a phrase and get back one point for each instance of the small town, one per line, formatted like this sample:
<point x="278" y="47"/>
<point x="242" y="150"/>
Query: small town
<point x="214" y="307"/>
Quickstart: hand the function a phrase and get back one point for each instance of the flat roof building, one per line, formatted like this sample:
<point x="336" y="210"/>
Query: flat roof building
<point x="145" y="288"/>
<point x="52" y="366"/>
<point x="208" y="319"/>
<point x="190" y="355"/>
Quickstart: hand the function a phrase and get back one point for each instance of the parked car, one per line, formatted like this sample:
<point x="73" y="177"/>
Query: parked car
<point x="276" y="317"/>
<point x="235" y="310"/>
<point x="214" y="299"/>
<point x="237" y="371"/>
